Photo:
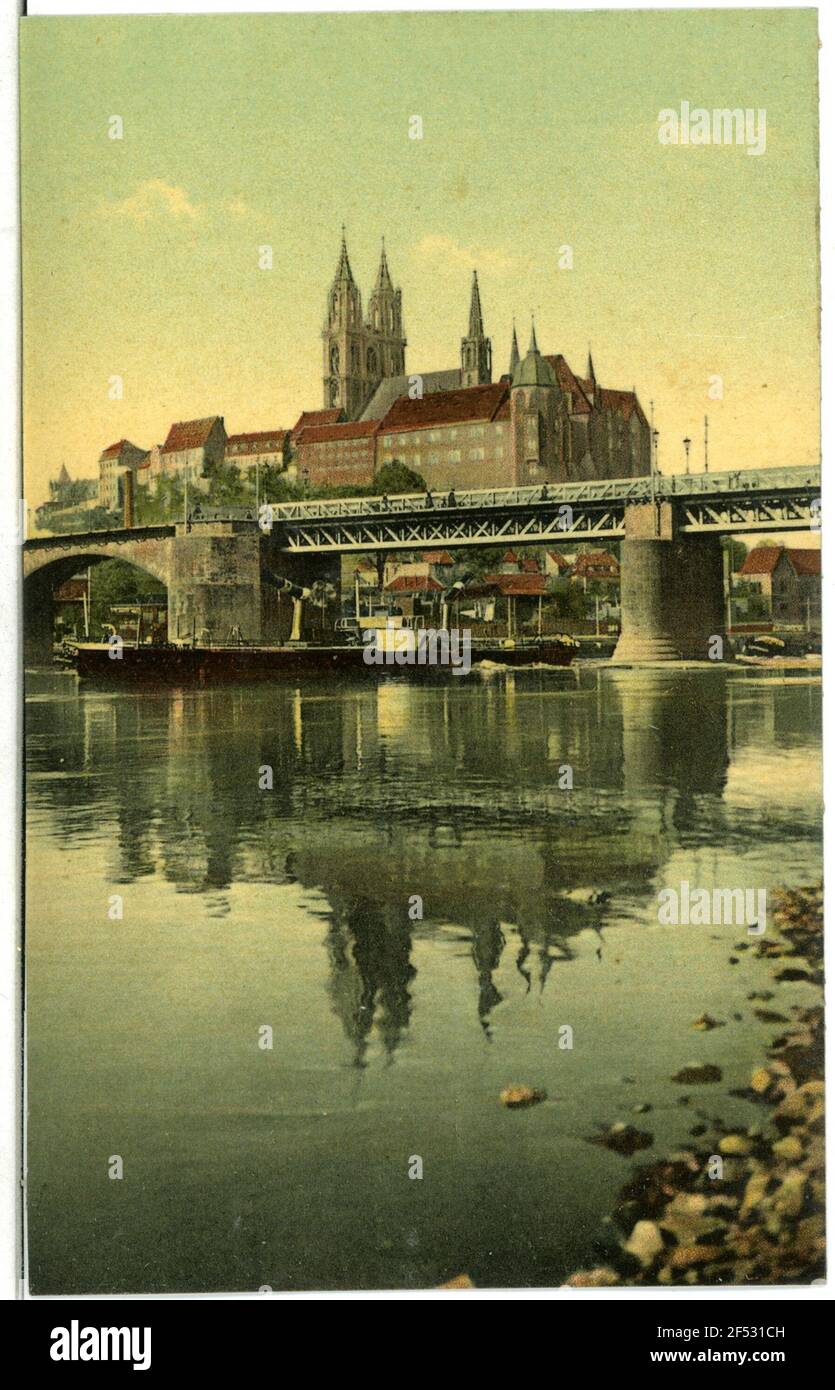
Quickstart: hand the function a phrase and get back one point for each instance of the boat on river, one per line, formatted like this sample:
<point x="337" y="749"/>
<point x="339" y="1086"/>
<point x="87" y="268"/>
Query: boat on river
<point x="380" y="645"/>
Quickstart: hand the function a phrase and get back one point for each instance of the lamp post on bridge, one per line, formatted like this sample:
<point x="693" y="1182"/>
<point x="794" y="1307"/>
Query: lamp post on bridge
<point x="687" y="443"/>
<point x="653" y="476"/>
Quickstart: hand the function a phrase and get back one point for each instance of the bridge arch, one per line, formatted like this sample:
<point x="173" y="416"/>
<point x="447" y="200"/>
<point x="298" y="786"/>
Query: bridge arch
<point x="44" y="573"/>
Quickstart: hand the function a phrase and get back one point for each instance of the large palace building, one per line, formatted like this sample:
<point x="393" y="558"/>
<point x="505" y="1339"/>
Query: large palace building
<point x="540" y="422"/>
<point x="455" y="427"/>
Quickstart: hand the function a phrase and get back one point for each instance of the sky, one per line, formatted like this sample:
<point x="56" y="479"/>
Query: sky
<point x="141" y="255"/>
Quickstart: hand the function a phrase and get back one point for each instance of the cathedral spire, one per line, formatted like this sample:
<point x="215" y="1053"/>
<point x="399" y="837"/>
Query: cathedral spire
<point x="476" y="348"/>
<point x="590" y="370"/>
<point x="343" y="270"/>
<point x="514" y="351"/>
<point x="476" y="321"/>
<point x="533" y="344"/>
<point x="384" y="281"/>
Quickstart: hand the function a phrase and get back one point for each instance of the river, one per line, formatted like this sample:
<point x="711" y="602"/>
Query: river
<point x="445" y="884"/>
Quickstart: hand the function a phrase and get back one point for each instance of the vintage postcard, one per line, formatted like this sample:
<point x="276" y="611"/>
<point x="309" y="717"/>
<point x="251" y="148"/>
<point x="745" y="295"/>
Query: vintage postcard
<point x="422" y="623"/>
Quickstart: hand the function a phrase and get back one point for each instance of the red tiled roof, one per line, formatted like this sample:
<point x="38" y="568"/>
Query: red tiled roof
<point x="625" y="402"/>
<point x="765" y="558"/>
<point x="469" y="403"/>
<point x="512" y="585"/>
<point x="414" y="584"/>
<point x="762" y="560"/>
<point x="323" y="434"/>
<point x="70" y="590"/>
<point x="315" y="417"/>
<point x="559" y="560"/>
<point x="189" y="434"/>
<point x="437" y="557"/>
<point x="113" y="451"/>
<point x="596" y="562"/>
<point x="510" y="558"/>
<point x="260" y="437"/>
<point x="806" y="562"/>
<point x="567" y="381"/>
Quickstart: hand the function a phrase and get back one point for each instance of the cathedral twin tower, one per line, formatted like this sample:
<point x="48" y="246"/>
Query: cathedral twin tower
<point x="360" y="353"/>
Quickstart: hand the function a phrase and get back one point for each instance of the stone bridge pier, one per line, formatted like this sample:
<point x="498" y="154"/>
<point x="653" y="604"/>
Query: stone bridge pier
<point x="672" y="591"/>
<point x="220" y="576"/>
<point x="222" y="579"/>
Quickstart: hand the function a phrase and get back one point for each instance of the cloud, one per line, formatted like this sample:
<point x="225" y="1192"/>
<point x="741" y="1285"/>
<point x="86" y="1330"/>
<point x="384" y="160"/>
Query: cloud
<point x="445" y="251"/>
<point x="153" y="199"/>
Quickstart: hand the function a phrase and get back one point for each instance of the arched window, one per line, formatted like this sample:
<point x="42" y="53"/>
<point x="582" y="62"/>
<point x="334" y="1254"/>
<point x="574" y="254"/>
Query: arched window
<point x="371" y="362"/>
<point x="335" y="359"/>
<point x="334" y="393"/>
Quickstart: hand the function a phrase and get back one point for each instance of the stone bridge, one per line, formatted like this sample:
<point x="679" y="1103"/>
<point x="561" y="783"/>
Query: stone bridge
<point x="220" y="570"/>
<point x="218" y="574"/>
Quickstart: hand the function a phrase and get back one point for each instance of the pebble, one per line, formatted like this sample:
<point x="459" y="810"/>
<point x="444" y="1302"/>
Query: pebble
<point x="623" y="1139"/>
<point x="517" y="1097"/>
<point x="735" y="1144"/>
<point x="645" y="1242"/>
<point x="695" y="1075"/>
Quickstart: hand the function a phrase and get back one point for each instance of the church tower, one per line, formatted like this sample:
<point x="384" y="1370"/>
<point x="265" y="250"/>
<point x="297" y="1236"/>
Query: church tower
<point x="385" y="348"/>
<point x="536" y="426"/>
<point x="514" y="353"/>
<point x="476" y="349"/>
<point x="343" y="337"/>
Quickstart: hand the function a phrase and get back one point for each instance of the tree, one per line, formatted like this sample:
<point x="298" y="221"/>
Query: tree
<point x="226" y="488"/>
<point x="395" y="477"/>
<point x="114" y="581"/>
<point x="737" y="550"/>
<point x="565" y="600"/>
<point x="162" y="507"/>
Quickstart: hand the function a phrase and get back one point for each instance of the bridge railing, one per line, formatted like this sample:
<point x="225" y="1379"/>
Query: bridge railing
<point x="548" y="494"/>
<point x="596" y="490"/>
<point x="740" y="480"/>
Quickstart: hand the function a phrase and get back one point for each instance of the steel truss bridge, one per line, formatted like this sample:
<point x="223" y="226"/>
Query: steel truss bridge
<point x="773" y="499"/>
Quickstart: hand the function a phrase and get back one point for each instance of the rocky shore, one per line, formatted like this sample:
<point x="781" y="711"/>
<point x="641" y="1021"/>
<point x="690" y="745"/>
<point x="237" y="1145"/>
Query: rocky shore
<point x="742" y="1207"/>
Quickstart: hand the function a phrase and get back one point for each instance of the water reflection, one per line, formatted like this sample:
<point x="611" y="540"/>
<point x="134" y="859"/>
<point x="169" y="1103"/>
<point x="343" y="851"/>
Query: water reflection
<point x="370" y="970"/>
<point x="450" y="792"/>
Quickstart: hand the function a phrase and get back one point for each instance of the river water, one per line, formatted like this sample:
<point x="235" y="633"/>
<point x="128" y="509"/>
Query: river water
<point x="246" y="908"/>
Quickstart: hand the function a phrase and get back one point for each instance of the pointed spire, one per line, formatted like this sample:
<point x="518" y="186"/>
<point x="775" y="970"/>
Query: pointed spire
<point x="343" y="269"/>
<point x="514" y="351"/>
<point x="590" y="376"/>
<point x="383" y="281"/>
<point x="533" y="344"/>
<point x="476" y="321"/>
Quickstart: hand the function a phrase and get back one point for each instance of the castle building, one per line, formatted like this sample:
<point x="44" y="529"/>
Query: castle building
<point x="359" y="352"/>
<point x="113" y="462"/>
<point x="192" y="447"/>
<point x="266" y="448"/>
<point x="456" y="427"/>
<point x="540" y="423"/>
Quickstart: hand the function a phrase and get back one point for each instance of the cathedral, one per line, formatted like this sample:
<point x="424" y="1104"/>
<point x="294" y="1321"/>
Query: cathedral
<point x="360" y="352"/>
<point x="540" y="422"/>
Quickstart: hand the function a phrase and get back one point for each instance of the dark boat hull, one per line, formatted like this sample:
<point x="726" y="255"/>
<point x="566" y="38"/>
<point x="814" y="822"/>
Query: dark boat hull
<point x="169" y="664"/>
